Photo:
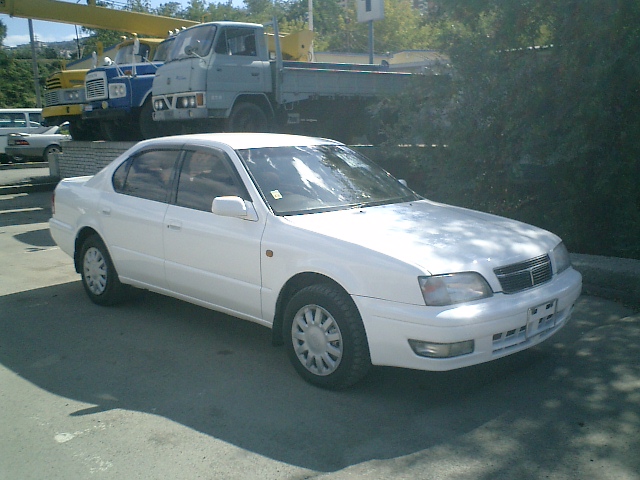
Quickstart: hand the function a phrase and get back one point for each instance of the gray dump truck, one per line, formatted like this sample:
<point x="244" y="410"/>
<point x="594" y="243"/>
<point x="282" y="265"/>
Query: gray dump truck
<point x="223" y="76"/>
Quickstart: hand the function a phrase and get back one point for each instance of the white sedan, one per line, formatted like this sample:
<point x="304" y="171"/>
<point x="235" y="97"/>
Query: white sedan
<point x="348" y="266"/>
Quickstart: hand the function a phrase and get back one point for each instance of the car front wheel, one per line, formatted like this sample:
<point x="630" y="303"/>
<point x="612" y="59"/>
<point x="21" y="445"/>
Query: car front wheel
<point x="327" y="343"/>
<point x="99" y="276"/>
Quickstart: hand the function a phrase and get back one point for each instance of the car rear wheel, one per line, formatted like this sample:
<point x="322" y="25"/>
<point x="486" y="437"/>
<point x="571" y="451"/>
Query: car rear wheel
<point x="327" y="343"/>
<point x="50" y="151"/>
<point x="99" y="276"/>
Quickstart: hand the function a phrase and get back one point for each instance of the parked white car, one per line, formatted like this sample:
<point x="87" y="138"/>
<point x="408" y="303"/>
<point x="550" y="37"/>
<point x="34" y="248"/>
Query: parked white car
<point x="37" y="146"/>
<point x="347" y="265"/>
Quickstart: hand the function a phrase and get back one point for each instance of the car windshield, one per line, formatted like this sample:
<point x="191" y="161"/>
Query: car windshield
<point x="309" y="179"/>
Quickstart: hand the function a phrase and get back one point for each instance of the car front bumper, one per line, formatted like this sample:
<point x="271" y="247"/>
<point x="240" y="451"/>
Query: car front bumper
<point x="498" y="326"/>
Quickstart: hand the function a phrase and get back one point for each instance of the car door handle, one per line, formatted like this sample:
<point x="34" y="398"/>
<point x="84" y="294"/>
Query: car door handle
<point x="106" y="211"/>
<point x="174" y="225"/>
<point x="255" y="74"/>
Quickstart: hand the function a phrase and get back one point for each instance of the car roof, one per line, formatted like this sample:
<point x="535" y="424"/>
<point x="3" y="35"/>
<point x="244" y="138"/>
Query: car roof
<point x="241" y="141"/>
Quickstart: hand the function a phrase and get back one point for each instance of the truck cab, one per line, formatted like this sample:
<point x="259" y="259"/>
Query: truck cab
<point x="119" y="94"/>
<point x="212" y="66"/>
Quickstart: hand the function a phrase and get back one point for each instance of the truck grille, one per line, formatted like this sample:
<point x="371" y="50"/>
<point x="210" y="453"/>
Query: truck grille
<point x="96" y="89"/>
<point x="521" y="276"/>
<point x="51" y="98"/>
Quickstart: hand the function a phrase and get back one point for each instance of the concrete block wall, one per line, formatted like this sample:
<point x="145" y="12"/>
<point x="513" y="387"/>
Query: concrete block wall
<point x="86" y="158"/>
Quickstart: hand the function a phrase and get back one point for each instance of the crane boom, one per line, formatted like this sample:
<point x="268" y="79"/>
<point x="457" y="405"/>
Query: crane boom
<point x="92" y="16"/>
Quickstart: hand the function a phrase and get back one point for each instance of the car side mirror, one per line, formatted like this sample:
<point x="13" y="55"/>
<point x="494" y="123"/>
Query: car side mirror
<point x="234" y="207"/>
<point x="403" y="182"/>
<point x="189" y="50"/>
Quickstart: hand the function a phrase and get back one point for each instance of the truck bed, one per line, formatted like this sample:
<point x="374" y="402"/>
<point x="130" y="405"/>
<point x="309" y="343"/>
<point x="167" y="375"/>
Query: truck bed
<point x="303" y="80"/>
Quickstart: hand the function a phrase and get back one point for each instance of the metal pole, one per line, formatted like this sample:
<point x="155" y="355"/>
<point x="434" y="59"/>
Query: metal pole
<point x="311" y="52"/>
<point x="36" y="76"/>
<point x="371" y="42"/>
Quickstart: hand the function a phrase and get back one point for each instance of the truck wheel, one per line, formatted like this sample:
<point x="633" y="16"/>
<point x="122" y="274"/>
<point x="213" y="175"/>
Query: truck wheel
<point x="50" y="151"/>
<point x="248" y="117"/>
<point x="148" y="127"/>
<point x="327" y="343"/>
<point x="119" y="132"/>
<point x="99" y="276"/>
<point x="84" y="131"/>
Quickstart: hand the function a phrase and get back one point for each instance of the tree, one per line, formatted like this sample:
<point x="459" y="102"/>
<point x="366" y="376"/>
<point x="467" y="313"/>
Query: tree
<point x="3" y="32"/>
<point x="542" y="84"/>
<point x="402" y="28"/>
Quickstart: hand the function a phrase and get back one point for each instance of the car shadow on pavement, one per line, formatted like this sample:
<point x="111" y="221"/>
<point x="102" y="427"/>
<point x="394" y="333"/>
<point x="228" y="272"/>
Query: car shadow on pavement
<point x="36" y="238"/>
<point x="220" y="376"/>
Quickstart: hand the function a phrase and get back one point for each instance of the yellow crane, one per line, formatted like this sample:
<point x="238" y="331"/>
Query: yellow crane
<point x="93" y="16"/>
<point x="65" y="96"/>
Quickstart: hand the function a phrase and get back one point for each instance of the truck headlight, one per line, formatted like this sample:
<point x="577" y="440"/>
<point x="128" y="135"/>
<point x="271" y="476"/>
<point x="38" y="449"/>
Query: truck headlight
<point x="440" y="290"/>
<point x="561" y="259"/>
<point x="117" y="90"/>
<point x="72" y="95"/>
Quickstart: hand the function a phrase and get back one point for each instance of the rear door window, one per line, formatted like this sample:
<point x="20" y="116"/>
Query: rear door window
<point x="147" y="175"/>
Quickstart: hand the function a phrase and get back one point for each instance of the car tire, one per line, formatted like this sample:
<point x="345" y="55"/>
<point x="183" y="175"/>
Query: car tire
<point x="50" y="151"/>
<point x="248" y="117"/>
<point x="325" y="338"/>
<point x="99" y="276"/>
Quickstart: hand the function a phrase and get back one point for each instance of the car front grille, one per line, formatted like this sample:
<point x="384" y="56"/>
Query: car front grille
<point x="521" y="276"/>
<point x="96" y="89"/>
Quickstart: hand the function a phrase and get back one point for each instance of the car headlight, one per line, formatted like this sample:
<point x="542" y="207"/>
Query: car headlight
<point x="440" y="290"/>
<point x="561" y="259"/>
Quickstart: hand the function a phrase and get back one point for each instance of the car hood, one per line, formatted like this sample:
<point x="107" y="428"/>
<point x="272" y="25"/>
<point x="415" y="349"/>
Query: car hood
<point x="434" y="237"/>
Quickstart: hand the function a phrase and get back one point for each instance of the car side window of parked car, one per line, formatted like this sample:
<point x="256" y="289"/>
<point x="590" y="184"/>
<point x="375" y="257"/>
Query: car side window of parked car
<point x="148" y="175"/>
<point x="206" y="175"/>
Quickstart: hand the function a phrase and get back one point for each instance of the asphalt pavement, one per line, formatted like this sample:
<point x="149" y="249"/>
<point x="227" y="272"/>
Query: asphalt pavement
<point x="158" y="388"/>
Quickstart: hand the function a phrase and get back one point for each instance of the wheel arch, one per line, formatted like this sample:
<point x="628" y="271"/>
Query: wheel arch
<point x="290" y="288"/>
<point x="82" y="235"/>
<point x="259" y="100"/>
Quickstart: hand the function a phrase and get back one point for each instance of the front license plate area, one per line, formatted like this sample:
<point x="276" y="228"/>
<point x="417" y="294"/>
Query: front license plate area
<point x="541" y="318"/>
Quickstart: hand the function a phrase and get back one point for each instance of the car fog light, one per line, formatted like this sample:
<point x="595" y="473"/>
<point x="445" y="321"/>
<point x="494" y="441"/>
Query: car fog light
<point x="441" y="350"/>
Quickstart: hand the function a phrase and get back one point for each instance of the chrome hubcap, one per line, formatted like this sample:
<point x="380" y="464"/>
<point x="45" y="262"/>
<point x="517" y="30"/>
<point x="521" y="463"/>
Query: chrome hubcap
<point x="317" y="340"/>
<point x="95" y="271"/>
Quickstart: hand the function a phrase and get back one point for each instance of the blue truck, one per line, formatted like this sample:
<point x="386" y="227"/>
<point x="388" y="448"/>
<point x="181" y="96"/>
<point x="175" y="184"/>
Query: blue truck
<point x="118" y="96"/>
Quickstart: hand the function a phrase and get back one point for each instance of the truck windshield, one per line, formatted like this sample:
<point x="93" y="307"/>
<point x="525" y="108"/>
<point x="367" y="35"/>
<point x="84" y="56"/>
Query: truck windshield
<point x="125" y="54"/>
<point x="309" y="179"/>
<point x="162" y="52"/>
<point x="199" y="40"/>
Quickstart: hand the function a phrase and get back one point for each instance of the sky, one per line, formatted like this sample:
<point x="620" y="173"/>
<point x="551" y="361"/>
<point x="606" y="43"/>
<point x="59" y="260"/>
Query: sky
<point x="18" y="28"/>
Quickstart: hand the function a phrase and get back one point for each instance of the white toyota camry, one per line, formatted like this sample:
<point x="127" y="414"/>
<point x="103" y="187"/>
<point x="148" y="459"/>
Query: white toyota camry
<point x="347" y="265"/>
